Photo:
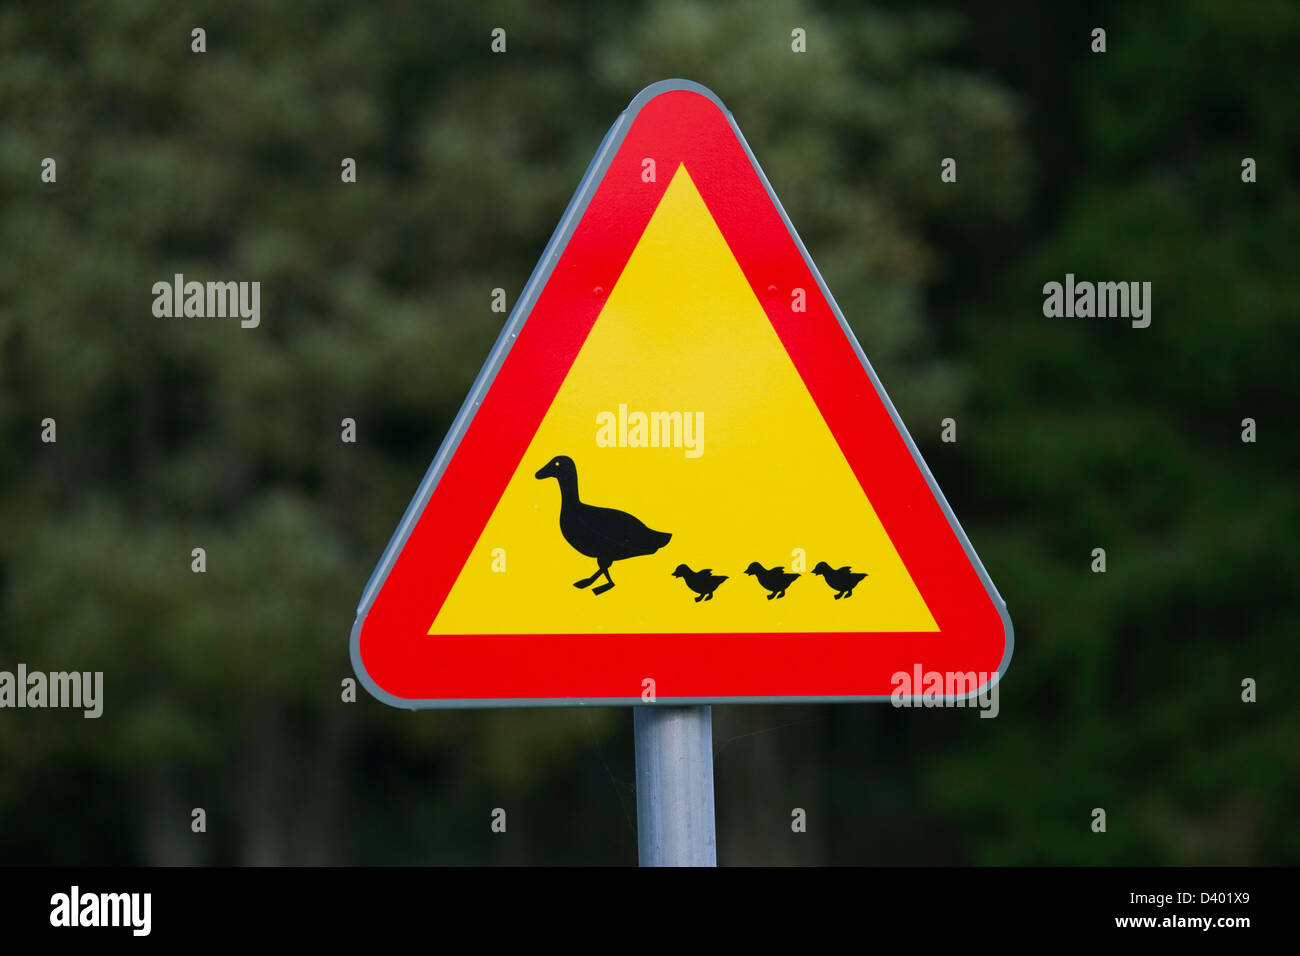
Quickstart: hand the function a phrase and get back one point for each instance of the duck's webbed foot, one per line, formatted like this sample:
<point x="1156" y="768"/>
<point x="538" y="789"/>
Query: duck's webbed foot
<point x="609" y="582"/>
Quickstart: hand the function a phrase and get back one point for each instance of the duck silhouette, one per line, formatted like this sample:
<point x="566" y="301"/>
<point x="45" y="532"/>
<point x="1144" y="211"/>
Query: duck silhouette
<point x="841" y="580"/>
<point x="601" y="533"/>
<point x="776" y="580"/>
<point x="703" y="582"/>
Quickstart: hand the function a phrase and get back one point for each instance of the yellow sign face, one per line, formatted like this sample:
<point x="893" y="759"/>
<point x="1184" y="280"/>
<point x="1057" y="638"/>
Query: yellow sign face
<point x="683" y="413"/>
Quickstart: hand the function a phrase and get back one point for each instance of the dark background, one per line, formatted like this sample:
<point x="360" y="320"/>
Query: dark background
<point x="222" y="690"/>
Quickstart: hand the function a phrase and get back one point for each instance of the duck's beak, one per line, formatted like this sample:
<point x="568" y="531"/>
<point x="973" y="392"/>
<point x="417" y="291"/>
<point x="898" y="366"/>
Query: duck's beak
<point x="542" y="472"/>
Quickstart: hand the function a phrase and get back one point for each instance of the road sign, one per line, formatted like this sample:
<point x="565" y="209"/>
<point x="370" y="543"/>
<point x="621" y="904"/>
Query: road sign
<point x="677" y="475"/>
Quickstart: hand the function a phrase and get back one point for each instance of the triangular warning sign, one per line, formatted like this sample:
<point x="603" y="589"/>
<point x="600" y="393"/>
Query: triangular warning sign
<point x="677" y="477"/>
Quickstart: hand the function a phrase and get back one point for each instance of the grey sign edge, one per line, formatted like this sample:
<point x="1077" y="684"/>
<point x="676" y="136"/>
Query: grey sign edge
<point x="519" y="315"/>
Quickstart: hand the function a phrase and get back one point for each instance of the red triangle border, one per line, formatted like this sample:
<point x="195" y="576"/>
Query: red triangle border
<point x="673" y="122"/>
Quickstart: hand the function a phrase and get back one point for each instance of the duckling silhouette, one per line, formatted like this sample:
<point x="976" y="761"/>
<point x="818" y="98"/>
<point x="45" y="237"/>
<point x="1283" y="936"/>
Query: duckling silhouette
<point x="841" y="580"/>
<point x="703" y="582"/>
<point x="776" y="580"/>
<point x="601" y="533"/>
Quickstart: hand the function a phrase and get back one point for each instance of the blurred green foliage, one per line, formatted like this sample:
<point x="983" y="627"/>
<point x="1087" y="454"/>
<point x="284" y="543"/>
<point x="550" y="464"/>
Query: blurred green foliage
<point x="223" y="690"/>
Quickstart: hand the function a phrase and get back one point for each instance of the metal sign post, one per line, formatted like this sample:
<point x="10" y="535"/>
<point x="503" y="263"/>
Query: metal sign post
<point x="673" y="343"/>
<point x="674" y="786"/>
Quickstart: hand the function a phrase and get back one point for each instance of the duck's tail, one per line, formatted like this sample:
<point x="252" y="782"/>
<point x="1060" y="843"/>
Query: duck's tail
<point x="661" y="538"/>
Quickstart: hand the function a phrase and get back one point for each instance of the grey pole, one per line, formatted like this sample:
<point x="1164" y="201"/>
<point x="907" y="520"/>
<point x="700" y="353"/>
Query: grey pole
<point x="674" y="786"/>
